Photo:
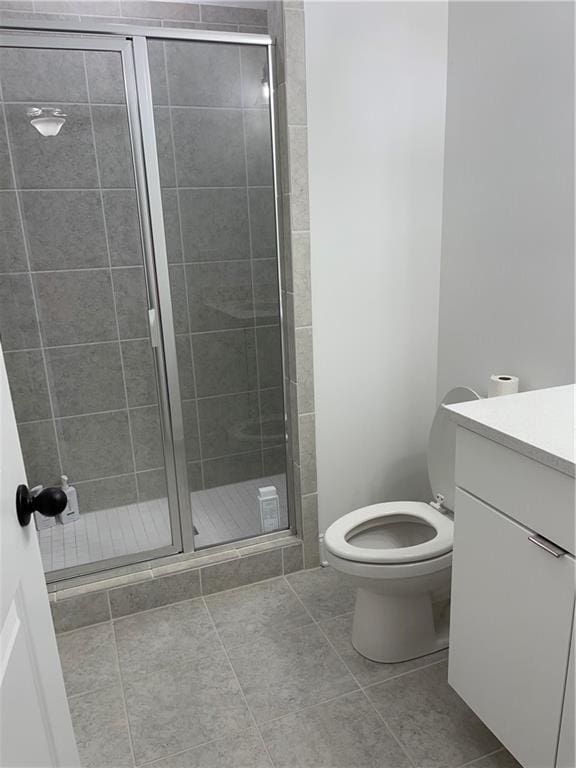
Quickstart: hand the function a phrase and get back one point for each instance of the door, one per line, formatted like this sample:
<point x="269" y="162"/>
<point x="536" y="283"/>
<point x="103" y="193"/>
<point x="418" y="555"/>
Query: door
<point x="80" y="316"/>
<point x="567" y="743"/>
<point x="35" y="725"/>
<point x="211" y="105"/>
<point x="511" y="619"/>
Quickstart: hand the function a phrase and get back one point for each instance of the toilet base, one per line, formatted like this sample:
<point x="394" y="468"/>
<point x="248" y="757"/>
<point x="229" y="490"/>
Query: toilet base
<point x="393" y="628"/>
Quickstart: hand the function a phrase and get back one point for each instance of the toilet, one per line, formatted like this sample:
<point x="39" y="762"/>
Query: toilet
<point x="398" y="555"/>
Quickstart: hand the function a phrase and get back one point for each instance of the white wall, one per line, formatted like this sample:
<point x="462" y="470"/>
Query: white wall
<point x="376" y="108"/>
<point x="507" y="287"/>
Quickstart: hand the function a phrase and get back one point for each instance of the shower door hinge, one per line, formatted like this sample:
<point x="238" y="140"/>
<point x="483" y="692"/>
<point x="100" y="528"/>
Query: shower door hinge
<point x="154" y="327"/>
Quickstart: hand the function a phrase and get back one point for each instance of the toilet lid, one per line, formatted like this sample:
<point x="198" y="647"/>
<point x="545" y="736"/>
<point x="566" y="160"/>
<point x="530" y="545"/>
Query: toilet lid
<point x="442" y="446"/>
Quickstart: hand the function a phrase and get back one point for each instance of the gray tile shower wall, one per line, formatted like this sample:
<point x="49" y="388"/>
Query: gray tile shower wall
<point x="80" y="364"/>
<point x="214" y="143"/>
<point x="287" y="27"/>
<point x="73" y="306"/>
<point x="285" y="22"/>
<point x="142" y="12"/>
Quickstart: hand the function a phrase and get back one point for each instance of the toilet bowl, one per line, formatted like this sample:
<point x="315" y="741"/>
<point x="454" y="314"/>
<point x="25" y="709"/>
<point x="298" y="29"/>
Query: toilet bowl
<point x="399" y="557"/>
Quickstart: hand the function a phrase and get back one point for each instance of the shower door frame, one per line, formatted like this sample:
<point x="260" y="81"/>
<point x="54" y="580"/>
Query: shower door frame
<point x="153" y="278"/>
<point x="131" y="42"/>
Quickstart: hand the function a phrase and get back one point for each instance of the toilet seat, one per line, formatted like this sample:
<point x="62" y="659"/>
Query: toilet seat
<point x="340" y="535"/>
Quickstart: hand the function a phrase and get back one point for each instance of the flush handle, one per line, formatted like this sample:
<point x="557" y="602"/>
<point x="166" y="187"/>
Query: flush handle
<point x="546" y="545"/>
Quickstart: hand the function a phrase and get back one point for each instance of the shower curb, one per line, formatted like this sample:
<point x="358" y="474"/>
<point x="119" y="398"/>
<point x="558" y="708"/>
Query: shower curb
<point x="157" y="585"/>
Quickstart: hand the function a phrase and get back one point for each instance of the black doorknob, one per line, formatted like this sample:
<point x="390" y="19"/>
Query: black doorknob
<point x="49" y="502"/>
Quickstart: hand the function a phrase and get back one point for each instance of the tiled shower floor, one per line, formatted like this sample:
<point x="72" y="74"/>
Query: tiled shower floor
<point x="259" y="677"/>
<point x="220" y="514"/>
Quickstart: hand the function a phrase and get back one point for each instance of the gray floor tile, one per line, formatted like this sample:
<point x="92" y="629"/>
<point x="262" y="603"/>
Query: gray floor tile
<point x="88" y="659"/>
<point x="101" y="729"/>
<point x="244" y="750"/>
<point x="501" y="759"/>
<point x="285" y="671"/>
<point x="339" y="632"/>
<point x="252" y="611"/>
<point x="184" y="705"/>
<point x="324" y="592"/>
<point x="345" y="733"/>
<point x="150" y="640"/>
<point x="435" y="726"/>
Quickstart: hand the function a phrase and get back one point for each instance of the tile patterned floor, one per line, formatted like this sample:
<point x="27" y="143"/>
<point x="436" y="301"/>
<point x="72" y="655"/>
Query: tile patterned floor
<point x="226" y="513"/>
<point x="262" y="677"/>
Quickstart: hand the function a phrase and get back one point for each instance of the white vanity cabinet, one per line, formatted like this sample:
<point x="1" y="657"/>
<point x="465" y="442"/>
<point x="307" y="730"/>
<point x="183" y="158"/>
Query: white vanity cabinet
<point x="513" y="594"/>
<point x="567" y="745"/>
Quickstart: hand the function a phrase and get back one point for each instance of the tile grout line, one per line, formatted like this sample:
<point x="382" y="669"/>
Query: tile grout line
<point x="125" y="616"/>
<point x="166" y="605"/>
<point x="117" y="105"/>
<point x="185" y="276"/>
<point x="153" y="405"/>
<point x="136" y="338"/>
<point x="252" y="717"/>
<point x="403" y="749"/>
<point x="114" y="299"/>
<point x="122" y="691"/>
<point x="360" y="687"/>
<point x="48" y="190"/>
<point x="31" y="281"/>
<point x="476" y="760"/>
<point x="251" y="248"/>
<point x="308" y="707"/>
<point x="403" y="674"/>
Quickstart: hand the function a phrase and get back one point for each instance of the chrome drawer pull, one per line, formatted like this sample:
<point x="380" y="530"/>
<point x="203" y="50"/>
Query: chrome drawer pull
<point x="552" y="549"/>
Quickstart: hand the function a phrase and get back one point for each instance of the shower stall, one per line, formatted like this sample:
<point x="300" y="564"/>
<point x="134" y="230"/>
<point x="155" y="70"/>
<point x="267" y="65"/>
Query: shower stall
<point x="140" y="311"/>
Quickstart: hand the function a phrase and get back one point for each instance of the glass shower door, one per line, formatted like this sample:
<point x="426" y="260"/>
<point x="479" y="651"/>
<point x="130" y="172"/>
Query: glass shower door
<point x="75" y="293"/>
<point x="212" y="121"/>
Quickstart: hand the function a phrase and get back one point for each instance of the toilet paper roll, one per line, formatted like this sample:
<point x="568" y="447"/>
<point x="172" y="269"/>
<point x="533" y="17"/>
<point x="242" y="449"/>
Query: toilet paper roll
<point x="502" y="384"/>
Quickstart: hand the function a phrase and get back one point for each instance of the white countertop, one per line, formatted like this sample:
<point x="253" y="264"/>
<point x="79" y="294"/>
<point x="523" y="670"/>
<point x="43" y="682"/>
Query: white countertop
<point x="538" y="424"/>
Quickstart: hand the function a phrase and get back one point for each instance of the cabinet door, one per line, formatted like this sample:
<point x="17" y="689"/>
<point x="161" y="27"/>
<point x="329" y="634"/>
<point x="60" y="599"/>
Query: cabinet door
<point x="512" y="606"/>
<point x="567" y="745"/>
